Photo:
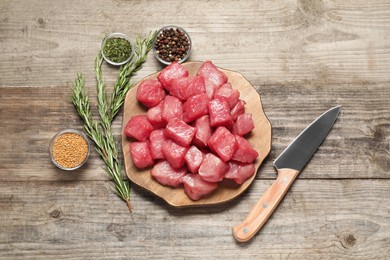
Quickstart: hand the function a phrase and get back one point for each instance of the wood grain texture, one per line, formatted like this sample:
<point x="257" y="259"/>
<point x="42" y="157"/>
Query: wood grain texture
<point x="274" y="41"/>
<point x="259" y="138"/>
<point x="303" y="57"/>
<point x="356" y="147"/>
<point x="318" y="219"/>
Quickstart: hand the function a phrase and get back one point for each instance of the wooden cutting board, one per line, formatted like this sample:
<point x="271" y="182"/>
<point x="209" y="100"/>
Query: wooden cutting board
<point x="260" y="138"/>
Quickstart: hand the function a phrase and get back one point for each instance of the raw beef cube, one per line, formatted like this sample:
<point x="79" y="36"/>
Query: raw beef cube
<point x="240" y="172"/>
<point x="244" y="153"/>
<point x="223" y="143"/>
<point x="195" y="107"/>
<point x="138" y="127"/>
<point x="219" y="112"/>
<point x="203" y="131"/>
<point x="194" y="158"/>
<point x="154" y="116"/>
<point x="156" y="140"/>
<point x="166" y="175"/>
<point x="171" y="72"/>
<point x="213" y="77"/>
<point x="172" y="108"/>
<point x="140" y="153"/>
<point x="174" y="153"/>
<point x="212" y="168"/>
<point x="238" y="109"/>
<point x="179" y="88"/>
<point x="226" y="91"/>
<point x="243" y="125"/>
<point x="185" y="87"/>
<point x="150" y="92"/>
<point x="196" y="85"/>
<point x="227" y="85"/>
<point x="179" y="131"/>
<point x="195" y="187"/>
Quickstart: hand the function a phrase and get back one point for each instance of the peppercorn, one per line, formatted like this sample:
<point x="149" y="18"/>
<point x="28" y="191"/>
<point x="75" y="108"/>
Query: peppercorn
<point x="172" y="44"/>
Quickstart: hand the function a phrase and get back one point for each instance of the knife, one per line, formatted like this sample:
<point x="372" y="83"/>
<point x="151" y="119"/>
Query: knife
<point x="288" y="164"/>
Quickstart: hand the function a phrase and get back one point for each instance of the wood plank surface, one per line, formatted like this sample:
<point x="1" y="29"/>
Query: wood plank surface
<point x="357" y="146"/>
<point x="272" y="41"/>
<point x="318" y="219"/>
<point x="303" y="57"/>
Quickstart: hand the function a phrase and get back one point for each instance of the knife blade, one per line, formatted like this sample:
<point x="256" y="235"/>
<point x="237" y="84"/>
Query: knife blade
<point x="288" y="165"/>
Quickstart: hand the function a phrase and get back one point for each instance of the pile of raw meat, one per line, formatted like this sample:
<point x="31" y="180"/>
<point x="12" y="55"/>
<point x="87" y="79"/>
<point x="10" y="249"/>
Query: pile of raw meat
<point x="193" y="133"/>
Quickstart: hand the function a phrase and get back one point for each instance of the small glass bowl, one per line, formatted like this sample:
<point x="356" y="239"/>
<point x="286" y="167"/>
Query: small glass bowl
<point x="154" y="45"/>
<point x="117" y="35"/>
<point x="54" y="139"/>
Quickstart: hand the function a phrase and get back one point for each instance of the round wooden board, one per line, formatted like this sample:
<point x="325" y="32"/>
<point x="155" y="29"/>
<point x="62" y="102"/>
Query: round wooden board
<point x="260" y="138"/>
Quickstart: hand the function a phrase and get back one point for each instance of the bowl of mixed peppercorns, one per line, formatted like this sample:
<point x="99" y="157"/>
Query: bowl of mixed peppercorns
<point x="172" y="44"/>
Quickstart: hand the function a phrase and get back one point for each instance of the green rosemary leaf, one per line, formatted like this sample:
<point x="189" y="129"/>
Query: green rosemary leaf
<point x="100" y="131"/>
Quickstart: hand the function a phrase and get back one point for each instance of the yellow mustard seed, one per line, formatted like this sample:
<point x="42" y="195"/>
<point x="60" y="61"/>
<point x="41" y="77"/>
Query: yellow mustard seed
<point x="70" y="150"/>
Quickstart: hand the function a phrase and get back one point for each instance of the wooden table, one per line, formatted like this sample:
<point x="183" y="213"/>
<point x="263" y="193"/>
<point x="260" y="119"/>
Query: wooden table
<point x="303" y="57"/>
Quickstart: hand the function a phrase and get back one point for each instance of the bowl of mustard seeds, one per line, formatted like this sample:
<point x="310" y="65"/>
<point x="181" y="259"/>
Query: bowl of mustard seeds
<point x="69" y="149"/>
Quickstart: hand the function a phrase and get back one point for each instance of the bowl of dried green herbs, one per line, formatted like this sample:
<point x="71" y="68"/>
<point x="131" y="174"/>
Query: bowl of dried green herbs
<point x="117" y="49"/>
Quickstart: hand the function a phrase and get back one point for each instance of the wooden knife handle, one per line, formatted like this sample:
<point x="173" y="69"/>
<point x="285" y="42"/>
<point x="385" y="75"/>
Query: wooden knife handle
<point x="264" y="207"/>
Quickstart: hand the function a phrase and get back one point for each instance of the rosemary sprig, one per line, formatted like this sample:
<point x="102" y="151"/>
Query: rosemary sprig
<point x="123" y="84"/>
<point x="100" y="131"/>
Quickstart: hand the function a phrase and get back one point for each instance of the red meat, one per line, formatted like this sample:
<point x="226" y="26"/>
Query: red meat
<point x="240" y="172"/>
<point x="193" y="158"/>
<point x="219" y="112"/>
<point x="223" y="143"/>
<point x="243" y="125"/>
<point x="213" y="77"/>
<point x="184" y="88"/>
<point x="174" y="153"/>
<point x="226" y="91"/>
<point x="156" y="140"/>
<point x="180" y="132"/>
<point x="166" y="175"/>
<point x="150" y="92"/>
<point x="154" y="116"/>
<point x="195" y="187"/>
<point x="196" y="131"/>
<point x="138" y="127"/>
<point x="196" y="85"/>
<point x="212" y="169"/>
<point x="195" y="107"/>
<point x="238" y="109"/>
<point x="203" y="131"/>
<point x="172" y="108"/>
<point x="171" y="72"/>
<point x="140" y="153"/>
<point x="244" y="153"/>
<point x="179" y="88"/>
